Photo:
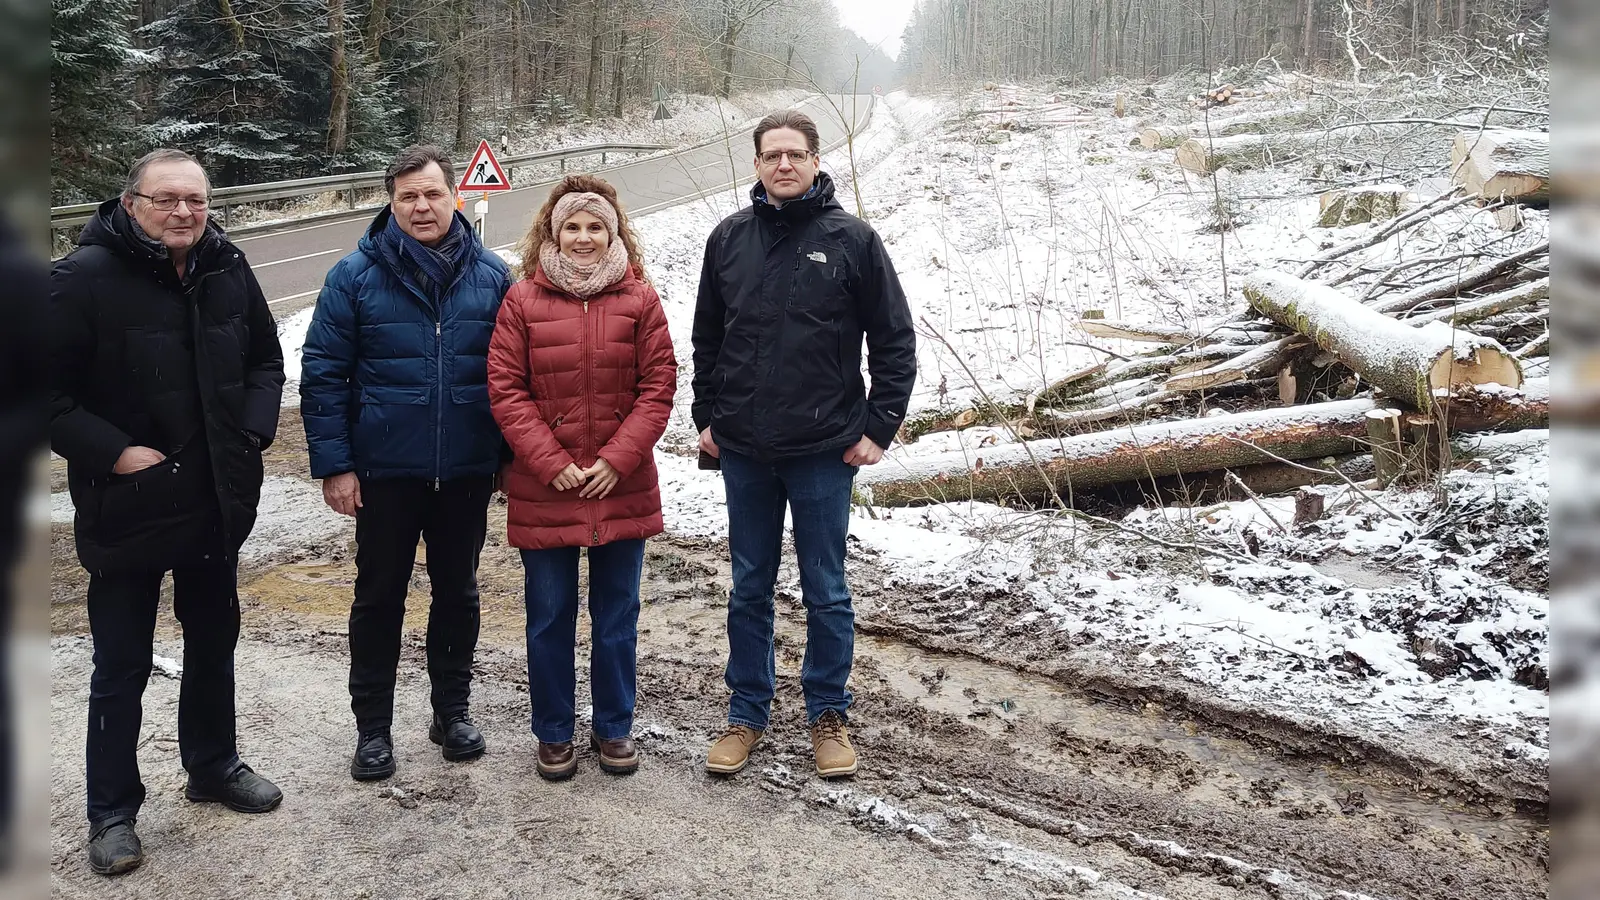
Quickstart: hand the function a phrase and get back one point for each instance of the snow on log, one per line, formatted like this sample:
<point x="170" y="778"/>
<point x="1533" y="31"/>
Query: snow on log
<point x="1131" y="331"/>
<point x="1032" y="471"/>
<point x="1408" y="363"/>
<point x="1203" y="156"/>
<point x="1476" y="310"/>
<point x="1501" y="163"/>
<point x="1166" y="137"/>
<point x="1454" y="285"/>
<point x="1253" y="363"/>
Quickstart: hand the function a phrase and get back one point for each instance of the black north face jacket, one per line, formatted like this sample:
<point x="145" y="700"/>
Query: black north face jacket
<point x="786" y="295"/>
<point x="191" y="368"/>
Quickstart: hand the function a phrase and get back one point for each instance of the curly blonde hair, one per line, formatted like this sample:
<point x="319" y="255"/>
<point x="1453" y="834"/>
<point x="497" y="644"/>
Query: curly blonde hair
<point x="540" y="233"/>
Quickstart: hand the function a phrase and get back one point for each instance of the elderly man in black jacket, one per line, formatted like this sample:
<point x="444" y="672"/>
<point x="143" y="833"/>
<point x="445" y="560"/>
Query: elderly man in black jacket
<point x="166" y="381"/>
<point x="789" y="287"/>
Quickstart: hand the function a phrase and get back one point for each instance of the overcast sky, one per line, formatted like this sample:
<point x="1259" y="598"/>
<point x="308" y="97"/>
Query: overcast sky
<point x="877" y="20"/>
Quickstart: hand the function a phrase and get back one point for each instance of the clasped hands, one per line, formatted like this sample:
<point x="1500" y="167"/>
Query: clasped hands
<point x="597" y="480"/>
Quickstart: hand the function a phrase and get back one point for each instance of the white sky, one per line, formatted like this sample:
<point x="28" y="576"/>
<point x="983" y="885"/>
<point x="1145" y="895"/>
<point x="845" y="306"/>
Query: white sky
<point x="877" y="20"/>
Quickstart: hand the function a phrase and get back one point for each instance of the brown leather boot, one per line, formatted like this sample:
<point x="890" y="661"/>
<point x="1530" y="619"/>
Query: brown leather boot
<point x="618" y="756"/>
<point x="732" y="750"/>
<point x="830" y="744"/>
<point x="557" y="761"/>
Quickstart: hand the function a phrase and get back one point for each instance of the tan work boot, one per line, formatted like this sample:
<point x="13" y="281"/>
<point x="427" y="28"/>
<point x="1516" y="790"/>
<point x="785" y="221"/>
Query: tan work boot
<point x="732" y="750"/>
<point x="830" y="743"/>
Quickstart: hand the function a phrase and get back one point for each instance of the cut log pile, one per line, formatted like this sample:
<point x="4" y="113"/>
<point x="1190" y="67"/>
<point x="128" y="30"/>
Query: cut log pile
<point x="1367" y="359"/>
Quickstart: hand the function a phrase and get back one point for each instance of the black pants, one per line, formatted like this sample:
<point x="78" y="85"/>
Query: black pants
<point x="452" y="520"/>
<point x="122" y="619"/>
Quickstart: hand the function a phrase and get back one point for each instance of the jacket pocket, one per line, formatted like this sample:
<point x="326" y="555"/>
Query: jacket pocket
<point x="473" y="436"/>
<point x="821" y="275"/>
<point x="394" y="430"/>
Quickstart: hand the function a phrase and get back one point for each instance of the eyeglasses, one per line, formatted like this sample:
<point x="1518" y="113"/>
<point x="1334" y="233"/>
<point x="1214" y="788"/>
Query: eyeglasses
<point x="773" y="157"/>
<point x="168" y="204"/>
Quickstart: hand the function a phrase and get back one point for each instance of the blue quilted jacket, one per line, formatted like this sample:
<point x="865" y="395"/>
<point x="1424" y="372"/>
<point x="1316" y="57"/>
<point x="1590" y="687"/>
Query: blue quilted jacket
<point x="393" y="385"/>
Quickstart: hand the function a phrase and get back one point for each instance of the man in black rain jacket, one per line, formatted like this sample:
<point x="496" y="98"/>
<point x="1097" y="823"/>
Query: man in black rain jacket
<point x="165" y="383"/>
<point x="789" y="287"/>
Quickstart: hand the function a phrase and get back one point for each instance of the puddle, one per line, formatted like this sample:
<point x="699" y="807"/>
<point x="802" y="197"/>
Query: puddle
<point x="1356" y="572"/>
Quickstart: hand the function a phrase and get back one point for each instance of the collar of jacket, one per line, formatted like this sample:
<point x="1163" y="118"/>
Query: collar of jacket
<point x="115" y="230"/>
<point x="817" y="199"/>
<point x="387" y="254"/>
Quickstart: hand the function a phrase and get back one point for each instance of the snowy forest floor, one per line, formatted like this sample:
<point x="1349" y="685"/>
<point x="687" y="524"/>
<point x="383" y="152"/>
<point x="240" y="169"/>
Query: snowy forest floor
<point x="1045" y="707"/>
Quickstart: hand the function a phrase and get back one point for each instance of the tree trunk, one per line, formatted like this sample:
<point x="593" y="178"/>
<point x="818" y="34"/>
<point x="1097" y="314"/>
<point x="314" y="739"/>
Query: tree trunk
<point x="1244" y="151"/>
<point x="1043" y="470"/>
<point x="1308" y="36"/>
<point x="463" y="81"/>
<point x="518" y="85"/>
<point x="1408" y="363"/>
<point x="1157" y="334"/>
<point x="592" y="89"/>
<point x="338" y="82"/>
<point x="1503" y="164"/>
<point x="619" y="77"/>
<point x="1266" y="359"/>
<point x="1165" y="137"/>
<point x="1487" y="307"/>
<point x="377" y="26"/>
<point x="730" y="35"/>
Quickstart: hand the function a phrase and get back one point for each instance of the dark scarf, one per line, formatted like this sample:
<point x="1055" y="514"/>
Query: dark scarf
<point x="436" y="267"/>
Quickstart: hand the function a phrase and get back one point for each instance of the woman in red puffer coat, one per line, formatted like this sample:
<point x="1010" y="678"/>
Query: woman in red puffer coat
<point x="581" y="378"/>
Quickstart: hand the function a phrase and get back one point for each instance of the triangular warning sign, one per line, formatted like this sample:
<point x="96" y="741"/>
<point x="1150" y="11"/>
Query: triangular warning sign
<point x="484" y="172"/>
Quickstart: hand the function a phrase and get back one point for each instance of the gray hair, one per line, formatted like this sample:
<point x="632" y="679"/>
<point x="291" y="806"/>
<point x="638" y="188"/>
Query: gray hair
<point x="162" y="154"/>
<point x="417" y="156"/>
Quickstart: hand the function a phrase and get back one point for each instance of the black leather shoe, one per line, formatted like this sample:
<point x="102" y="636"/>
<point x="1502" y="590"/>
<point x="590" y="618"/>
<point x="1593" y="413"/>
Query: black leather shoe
<point x="459" y="738"/>
<point x="242" y="791"/>
<point x="115" y="850"/>
<point x="374" y="759"/>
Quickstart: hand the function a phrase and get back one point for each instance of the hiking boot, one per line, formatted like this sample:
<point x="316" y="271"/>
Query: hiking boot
<point x="618" y="756"/>
<point x="830" y="743"/>
<point x="115" y="849"/>
<point x="732" y="750"/>
<point x="557" y="760"/>
<point x="374" y="759"/>
<point x="242" y="791"/>
<point x="457" y="737"/>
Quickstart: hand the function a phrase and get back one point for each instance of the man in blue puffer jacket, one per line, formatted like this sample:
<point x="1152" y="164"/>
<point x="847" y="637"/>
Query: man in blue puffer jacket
<point x="395" y="398"/>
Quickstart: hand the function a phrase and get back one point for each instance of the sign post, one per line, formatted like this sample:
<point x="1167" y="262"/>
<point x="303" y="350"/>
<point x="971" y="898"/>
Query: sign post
<point x="484" y="175"/>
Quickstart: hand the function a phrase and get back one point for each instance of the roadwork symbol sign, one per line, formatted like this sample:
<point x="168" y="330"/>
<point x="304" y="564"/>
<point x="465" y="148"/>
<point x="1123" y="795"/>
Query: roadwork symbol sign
<point x="484" y="172"/>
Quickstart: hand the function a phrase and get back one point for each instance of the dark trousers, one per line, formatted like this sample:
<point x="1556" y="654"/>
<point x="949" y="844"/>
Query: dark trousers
<point x="552" y="606"/>
<point x="122" y="619"/>
<point x="451" y="520"/>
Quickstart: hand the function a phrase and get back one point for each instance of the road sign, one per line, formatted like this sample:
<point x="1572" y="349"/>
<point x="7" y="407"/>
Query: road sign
<point x="661" y="103"/>
<point x="484" y="172"/>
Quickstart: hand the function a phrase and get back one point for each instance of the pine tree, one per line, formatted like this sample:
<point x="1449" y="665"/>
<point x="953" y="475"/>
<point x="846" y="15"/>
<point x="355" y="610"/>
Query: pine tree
<point x="241" y="84"/>
<point x="91" y="114"/>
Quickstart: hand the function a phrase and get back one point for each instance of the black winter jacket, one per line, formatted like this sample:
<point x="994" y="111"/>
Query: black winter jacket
<point x="191" y="368"/>
<point x="786" y="294"/>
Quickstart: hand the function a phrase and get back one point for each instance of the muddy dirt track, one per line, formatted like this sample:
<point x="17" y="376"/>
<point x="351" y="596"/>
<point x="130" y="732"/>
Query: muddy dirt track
<point x="979" y="779"/>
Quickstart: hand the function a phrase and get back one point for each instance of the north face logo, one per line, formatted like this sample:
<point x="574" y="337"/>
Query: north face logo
<point x="817" y="256"/>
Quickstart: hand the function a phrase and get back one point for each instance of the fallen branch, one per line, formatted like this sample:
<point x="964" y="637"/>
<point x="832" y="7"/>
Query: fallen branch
<point x="1253" y="363"/>
<point x="1490" y="306"/>
<point x="1456" y="284"/>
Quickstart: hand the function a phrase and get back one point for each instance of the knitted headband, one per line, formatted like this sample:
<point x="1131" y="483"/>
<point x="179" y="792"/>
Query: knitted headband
<point x="583" y="202"/>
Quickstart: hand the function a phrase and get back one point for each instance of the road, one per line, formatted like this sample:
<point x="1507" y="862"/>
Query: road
<point x="291" y="263"/>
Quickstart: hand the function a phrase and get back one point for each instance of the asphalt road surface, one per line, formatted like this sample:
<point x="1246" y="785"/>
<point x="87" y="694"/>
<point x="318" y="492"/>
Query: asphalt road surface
<point x="291" y="263"/>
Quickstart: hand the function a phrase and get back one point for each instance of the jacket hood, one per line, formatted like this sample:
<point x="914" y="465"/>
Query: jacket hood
<point x="113" y="229"/>
<point x="820" y="198"/>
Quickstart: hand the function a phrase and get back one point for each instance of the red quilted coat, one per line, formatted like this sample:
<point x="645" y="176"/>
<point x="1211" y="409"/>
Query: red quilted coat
<point x="570" y="381"/>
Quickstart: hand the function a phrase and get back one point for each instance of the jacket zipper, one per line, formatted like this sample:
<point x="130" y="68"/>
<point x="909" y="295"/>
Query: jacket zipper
<point x="588" y="393"/>
<point x="438" y="422"/>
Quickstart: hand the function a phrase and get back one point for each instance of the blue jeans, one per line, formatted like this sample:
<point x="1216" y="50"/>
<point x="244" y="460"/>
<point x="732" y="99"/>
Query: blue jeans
<point x="816" y="490"/>
<point x="552" y="606"/>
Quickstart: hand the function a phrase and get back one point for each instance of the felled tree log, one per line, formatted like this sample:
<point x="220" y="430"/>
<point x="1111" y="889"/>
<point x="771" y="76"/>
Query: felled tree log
<point x="1040" y="470"/>
<point x="1477" y="310"/>
<point x="1203" y="156"/>
<point x="1253" y="363"/>
<point x="1135" y="331"/>
<point x="1408" y="363"/>
<point x="1500" y="163"/>
<point x="1454" y="285"/>
<point x="1166" y="137"/>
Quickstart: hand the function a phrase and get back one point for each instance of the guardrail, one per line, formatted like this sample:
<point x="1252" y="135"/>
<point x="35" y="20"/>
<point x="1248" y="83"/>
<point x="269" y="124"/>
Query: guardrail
<point x="238" y="195"/>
